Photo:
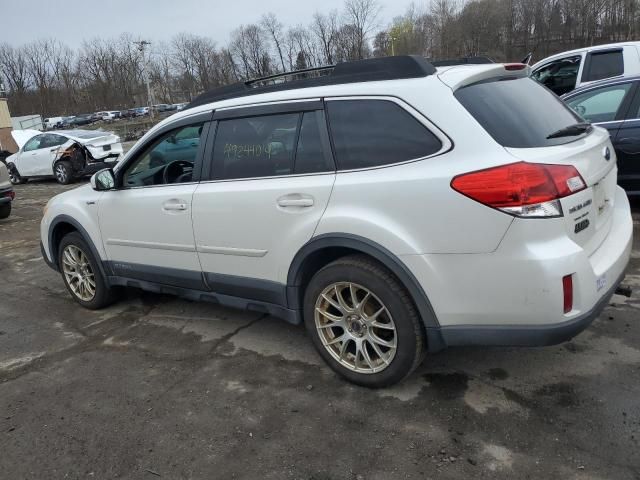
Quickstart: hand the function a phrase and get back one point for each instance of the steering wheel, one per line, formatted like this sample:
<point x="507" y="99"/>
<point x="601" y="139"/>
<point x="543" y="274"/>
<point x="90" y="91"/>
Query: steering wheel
<point x="175" y="170"/>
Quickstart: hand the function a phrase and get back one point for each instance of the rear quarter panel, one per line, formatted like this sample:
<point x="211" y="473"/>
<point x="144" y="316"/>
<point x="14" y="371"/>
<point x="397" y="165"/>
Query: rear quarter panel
<point x="410" y="208"/>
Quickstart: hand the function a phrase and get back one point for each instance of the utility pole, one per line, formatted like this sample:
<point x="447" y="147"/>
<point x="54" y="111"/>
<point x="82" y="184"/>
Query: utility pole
<point x="393" y="50"/>
<point x="142" y="44"/>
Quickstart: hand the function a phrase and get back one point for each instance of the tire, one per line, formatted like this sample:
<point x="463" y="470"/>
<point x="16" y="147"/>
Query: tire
<point x="5" y="210"/>
<point x="394" y="341"/>
<point x="75" y="246"/>
<point x="63" y="172"/>
<point x="14" y="176"/>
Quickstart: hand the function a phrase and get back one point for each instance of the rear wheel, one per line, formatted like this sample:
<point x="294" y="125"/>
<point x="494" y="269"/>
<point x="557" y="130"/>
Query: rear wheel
<point x="81" y="273"/>
<point x="363" y="322"/>
<point x="63" y="172"/>
<point x="14" y="176"/>
<point x="5" y="210"/>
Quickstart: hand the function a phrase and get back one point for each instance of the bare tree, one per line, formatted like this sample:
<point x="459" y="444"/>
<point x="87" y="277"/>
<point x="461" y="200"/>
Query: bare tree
<point x="362" y="15"/>
<point x="273" y="26"/>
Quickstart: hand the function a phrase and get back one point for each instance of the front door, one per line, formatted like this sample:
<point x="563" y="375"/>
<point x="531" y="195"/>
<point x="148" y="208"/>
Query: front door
<point x="36" y="157"/>
<point x="146" y="224"/>
<point x="271" y="179"/>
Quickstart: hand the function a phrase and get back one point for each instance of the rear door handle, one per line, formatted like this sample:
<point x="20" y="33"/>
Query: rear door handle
<point x="174" y="205"/>
<point x="295" y="200"/>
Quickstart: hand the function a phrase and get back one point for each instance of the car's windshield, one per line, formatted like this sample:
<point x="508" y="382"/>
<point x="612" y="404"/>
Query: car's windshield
<point x="518" y="112"/>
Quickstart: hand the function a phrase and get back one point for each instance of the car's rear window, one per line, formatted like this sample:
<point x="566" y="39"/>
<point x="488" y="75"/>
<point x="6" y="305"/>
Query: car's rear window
<point x="518" y="112"/>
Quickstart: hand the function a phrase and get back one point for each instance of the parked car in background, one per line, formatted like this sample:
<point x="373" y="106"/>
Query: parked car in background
<point x="65" y="155"/>
<point x="180" y="106"/>
<point x="6" y="192"/>
<point x="67" y="121"/>
<point x="614" y="104"/>
<point x="563" y="72"/>
<point x="302" y="203"/>
<point x="161" y="107"/>
<point x="110" y="116"/>
<point x="83" y="119"/>
<point x="142" y="111"/>
<point x="52" y="122"/>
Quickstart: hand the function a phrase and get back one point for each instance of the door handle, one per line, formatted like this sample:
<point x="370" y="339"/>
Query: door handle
<point x="295" y="200"/>
<point x="629" y="146"/>
<point x="174" y="205"/>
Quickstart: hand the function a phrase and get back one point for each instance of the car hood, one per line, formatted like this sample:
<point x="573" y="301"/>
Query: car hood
<point x="23" y="136"/>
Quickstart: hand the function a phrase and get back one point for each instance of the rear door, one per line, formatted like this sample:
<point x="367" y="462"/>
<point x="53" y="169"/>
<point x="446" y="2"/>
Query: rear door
<point x="602" y="64"/>
<point x="627" y="146"/>
<point x="270" y="174"/>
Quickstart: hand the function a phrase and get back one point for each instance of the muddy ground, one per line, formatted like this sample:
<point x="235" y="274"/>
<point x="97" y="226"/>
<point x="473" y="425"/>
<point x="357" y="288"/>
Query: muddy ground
<point x="158" y="387"/>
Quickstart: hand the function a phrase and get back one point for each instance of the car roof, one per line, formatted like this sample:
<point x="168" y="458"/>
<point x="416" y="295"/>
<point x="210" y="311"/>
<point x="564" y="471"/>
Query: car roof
<point x="576" y="51"/>
<point x="601" y="83"/>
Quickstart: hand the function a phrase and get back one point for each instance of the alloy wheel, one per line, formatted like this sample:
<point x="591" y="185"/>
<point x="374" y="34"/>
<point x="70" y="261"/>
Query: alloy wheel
<point x="78" y="273"/>
<point x="355" y="327"/>
<point x="61" y="173"/>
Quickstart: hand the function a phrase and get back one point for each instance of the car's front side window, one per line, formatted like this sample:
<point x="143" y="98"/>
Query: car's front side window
<point x="168" y="159"/>
<point x="33" y="144"/>
<point x="560" y="75"/>
<point x="600" y="105"/>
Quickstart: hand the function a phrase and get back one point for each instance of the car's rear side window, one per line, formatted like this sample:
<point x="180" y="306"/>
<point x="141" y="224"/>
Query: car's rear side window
<point x="600" y="65"/>
<point x="271" y="145"/>
<point x="372" y="133"/>
<point x="517" y="112"/>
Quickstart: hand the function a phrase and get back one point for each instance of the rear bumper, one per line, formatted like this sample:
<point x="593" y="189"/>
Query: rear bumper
<point x="525" y="335"/>
<point x="513" y="296"/>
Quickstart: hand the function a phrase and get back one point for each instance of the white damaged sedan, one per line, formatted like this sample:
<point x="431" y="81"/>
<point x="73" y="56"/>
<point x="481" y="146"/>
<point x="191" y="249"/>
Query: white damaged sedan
<point x="65" y="155"/>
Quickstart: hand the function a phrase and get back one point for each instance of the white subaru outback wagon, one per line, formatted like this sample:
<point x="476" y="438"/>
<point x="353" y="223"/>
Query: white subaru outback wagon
<point x="392" y="207"/>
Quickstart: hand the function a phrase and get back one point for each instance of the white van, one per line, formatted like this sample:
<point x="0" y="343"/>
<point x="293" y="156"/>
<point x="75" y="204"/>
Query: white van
<point x="52" y="122"/>
<point x="566" y="71"/>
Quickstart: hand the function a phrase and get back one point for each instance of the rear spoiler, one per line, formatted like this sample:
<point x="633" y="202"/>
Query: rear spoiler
<point x="460" y="77"/>
<point x="460" y="61"/>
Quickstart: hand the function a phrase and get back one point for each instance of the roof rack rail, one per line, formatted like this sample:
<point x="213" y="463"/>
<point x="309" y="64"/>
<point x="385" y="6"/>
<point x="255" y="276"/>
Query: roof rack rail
<point x="461" y="61"/>
<point x="372" y="69"/>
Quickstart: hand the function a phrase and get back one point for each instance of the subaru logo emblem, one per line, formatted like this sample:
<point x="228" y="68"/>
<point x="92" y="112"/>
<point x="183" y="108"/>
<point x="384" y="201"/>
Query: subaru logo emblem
<point x="606" y="153"/>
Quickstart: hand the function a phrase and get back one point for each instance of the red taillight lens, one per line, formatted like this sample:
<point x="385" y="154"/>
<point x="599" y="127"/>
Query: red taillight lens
<point x="514" y="66"/>
<point x="567" y="290"/>
<point x="11" y="194"/>
<point x="519" y="184"/>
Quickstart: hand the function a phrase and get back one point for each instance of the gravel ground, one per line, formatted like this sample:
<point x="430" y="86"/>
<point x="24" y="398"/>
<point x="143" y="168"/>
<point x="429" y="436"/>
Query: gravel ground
<point x="161" y="387"/>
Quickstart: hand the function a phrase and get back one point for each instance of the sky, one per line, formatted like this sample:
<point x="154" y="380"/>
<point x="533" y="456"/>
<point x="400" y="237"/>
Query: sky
<point x="72" y="21"/>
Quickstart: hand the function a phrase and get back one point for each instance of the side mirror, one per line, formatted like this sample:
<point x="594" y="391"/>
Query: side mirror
<point x="103" y="180"/>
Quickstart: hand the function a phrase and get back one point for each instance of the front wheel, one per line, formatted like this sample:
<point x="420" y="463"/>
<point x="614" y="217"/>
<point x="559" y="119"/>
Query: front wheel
<point x="81" y="273"/>
<point x="14" y="176"/>
<point x="363" y="322"/>
<point x="63" y="172"/>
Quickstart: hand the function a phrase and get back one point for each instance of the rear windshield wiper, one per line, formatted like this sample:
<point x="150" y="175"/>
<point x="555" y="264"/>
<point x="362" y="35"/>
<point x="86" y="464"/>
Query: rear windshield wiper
<point x="571" y="130"/>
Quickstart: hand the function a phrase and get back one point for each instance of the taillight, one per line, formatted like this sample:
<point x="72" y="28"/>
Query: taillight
<point x="514" y="66"/>
<point x="521" y="189"/>
<point x="567" y="293"/>
<point x="11" y="194"/>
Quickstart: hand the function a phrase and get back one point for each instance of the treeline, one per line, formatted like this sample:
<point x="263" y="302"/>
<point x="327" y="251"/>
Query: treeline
<point x="50" y="78"/>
